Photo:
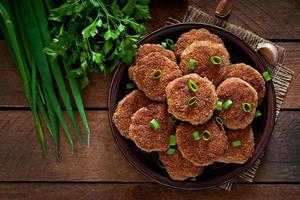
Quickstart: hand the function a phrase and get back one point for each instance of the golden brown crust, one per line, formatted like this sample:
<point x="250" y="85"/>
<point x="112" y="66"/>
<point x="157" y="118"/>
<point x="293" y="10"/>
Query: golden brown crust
<point x="202" y="51"/>
<point x="242" y="153"/>
<point x="145" y="49"/>
<point x="239" y="92"/>
<point x="178" y="167"/>
<point x="250" y="75"/>
<point x="188" y="38"/>
<point x="126" y="108"/>
<point x="201" y="153"/>
<point x="144" y="136"/>
<point x="178" y="94"/>
<point x="143" y="71"/>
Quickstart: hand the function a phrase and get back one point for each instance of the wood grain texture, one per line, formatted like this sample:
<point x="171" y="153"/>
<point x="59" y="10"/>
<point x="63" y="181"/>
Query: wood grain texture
<point x="21" y="160"/>
<point x="269" y="19"/>
<point x="145" y="191"/>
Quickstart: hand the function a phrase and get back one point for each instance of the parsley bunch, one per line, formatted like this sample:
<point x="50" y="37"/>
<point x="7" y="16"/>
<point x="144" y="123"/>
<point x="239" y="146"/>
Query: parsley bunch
<point x="95" y="35"/>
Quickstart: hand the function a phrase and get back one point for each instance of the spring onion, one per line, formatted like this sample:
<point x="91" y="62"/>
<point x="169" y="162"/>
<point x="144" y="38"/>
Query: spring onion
<point x="130" y="86"/>
<point x="174" y="121"/>
<point x="196" y="135"/>
<point x="172" y="140"/>
<point x="154" y="124"/>
<point x="219" y="105"/>
<point x="156" y="74"/>
<point x="171" y="150"/>
<point x="267" y="76"/>
<point x="168" y="44"/>
<point x="192" y="63"/>
<point x="227" y="104"/>
<point x="236" y="143"/>
<point x="206" y="135"/>
<point x="258" y="113"/>
<point x="193" y="179"/>
<point x="192" y="101"/>
<point x="219" y="120"/>
<point x="192" y="85"/>
<point x="216" y="60"/>
<point x="246" y="107"/>
<point x="164" y="45"/>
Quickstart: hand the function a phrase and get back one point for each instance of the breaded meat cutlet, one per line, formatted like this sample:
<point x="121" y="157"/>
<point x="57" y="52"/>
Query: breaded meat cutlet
<point x="182" y="90"/>
<point x="126" y="108"/>
<point x="202" y="144"/>
<point x="186" y="39"/>
<point x="244" y="102"/>
<point x="144" y="135"/>
<point x="153" y="73"/>
<point x="250" y="75"/>
<point x="240" y="146"/>
<point x="178" y="167"/>
<point x="145" y="49"/>
<point x="197" y="58"/>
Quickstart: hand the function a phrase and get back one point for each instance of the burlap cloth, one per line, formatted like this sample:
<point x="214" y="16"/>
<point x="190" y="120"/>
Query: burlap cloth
<point x="281" y="75"/>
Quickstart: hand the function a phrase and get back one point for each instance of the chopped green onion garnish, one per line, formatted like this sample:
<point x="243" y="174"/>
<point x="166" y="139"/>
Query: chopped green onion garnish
<point x="267" y="76"/>
<point x="219" y="121"/>
<point x="196" y="135"/>
<point x="206" y="135"/>
<point x="227" y="104"/>
<point x="174" y="121"/>
<point x="160" y="164"/>
<point x="172" y="140"/>
<point x="219" y="105"/>
<point x="164" y="44"/>
<point x="170" y="44"/>
<point x="216" y="60"/>
<point x="193" y="178"/>
<point x="130" y="86"/>
<point x="171" y="150"/>
<point x="192" y="63"/>
<point x="156" y="74"/>
<point x="258" y="113"/>
<point x="246" y="107"/>
<point x="192" y="101"/>
<point x="236" y="143"/>
<point x="192" y="85"/>
<point x="155" y="125"/>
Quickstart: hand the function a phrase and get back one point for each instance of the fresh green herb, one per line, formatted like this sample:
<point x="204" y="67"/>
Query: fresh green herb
<point x="196" y="135"/>
<point x="172" y="140"/>
<point x="267" y="76"/>
<point x="168" y="44"/>
<point x="171" y="150"/>
<point x="174" y="121"/>
<point x="156" y="74"/>
<point x="192" y="85"/>
<point x="192" y="101"/>
<point x="206" y="135"/>
<point x="130" y="86"/>
<point x="192" y="63"/>
<point x="154" y="124"/>
<point x="227" y="104"/>
<point x="219" y="120"/>
<point x="246" y="107"/>
<point x="219" y="105"/>
<point x="258" y="113"/>
<point x="236" y="143"/>
<point x="97" y="34"/>
<point x="216" y="60"/>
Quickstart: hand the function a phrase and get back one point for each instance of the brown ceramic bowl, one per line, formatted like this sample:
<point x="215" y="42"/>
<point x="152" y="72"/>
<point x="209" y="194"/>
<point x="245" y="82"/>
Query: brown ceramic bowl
<point x="217" y="173"/>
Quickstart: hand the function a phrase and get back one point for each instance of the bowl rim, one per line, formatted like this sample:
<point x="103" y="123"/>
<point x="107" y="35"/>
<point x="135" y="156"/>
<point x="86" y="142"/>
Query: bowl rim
<point x="259" y="148"/>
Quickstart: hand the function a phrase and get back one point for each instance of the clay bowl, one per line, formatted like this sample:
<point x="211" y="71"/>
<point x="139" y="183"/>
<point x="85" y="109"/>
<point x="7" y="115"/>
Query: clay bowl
<point x="217" y="173"/>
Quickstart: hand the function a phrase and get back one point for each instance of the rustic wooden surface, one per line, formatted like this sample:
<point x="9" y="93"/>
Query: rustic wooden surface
<point x="101" y="172"/>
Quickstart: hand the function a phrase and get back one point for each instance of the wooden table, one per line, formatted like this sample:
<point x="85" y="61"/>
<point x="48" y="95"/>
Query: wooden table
<point x="101" y="172"/>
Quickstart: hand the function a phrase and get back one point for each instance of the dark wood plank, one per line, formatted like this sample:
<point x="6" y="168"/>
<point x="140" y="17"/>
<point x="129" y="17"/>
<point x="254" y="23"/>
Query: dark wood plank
<point x="144" y="191"/>
<point x="95" y="95"/>
<point x="269" y="19"/>
<point x="21" y="159"/>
